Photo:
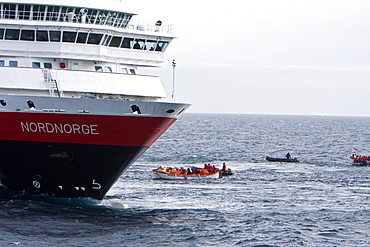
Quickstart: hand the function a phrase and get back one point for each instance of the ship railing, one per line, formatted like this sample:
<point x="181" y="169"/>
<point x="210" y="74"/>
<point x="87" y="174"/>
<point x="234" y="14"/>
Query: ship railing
<point x="64" y="14"/>
<point x="148" y="26"/>
<point x="51" y="78"/>
<point x="77" y="15"/>
<point x="122" y="23"/>
<point x="20" y="80"/>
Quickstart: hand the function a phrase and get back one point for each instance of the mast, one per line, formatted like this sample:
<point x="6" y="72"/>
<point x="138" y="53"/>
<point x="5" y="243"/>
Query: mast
<point x="173" y="79"/>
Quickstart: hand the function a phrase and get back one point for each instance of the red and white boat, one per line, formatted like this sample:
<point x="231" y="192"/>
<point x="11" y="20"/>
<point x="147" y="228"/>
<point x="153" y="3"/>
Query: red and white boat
<point x="184" y="174"/>
<point x="74" y="111"/>
<point x="359" y="160"/>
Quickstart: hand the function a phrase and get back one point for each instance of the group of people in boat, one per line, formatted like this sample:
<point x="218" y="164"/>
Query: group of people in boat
<point x="183" y="171"/>
<point x="207" y="169"/>
<point x="359" y="159"/>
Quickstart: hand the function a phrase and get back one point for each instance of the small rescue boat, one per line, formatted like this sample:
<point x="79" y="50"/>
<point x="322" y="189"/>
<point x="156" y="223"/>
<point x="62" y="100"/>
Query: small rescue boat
<point x="227" y="172"/>
<point x="359" y="160"/>
<point x="170" y="173"/>
<point x="271" y="159"/>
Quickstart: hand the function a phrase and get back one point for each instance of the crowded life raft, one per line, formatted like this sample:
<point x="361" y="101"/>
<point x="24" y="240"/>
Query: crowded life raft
<point x="359" y="160"/>
<point x="185" y="174"/>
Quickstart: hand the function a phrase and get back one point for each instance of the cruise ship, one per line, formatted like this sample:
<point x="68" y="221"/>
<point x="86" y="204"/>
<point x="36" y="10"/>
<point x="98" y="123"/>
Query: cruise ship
<point x="75" y="112"/>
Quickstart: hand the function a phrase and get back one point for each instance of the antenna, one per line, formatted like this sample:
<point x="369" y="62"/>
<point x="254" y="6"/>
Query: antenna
<point x="173" y="79"/>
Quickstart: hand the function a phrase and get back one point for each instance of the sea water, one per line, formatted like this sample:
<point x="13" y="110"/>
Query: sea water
<point x="321" y="201"/>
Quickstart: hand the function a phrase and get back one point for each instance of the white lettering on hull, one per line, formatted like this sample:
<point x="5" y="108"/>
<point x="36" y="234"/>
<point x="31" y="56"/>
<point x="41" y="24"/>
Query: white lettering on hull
<point x="53" y="128"/>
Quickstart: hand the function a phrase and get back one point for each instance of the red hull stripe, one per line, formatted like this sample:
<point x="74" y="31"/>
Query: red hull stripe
<point x="83" y="129"/>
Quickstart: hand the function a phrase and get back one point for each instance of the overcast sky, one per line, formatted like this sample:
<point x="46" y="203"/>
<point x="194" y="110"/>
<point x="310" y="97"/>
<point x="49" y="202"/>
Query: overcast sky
<point x="307" y="57"/>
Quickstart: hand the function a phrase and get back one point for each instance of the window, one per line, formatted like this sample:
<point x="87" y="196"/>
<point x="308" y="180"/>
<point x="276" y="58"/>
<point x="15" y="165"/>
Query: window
<point x="107" y="39"/>
<point x="45" y="12"/>
<point x="24" y="11"/>
<point x="13" y="63"/>
<point x="98" y="69"/>
<point x="126" y="20"/>
<point x="36" y="65"/>
<point x="12" y="34"/>
<point x="94" y="38"/>
<point x="9" y="11"/>
<point x="28" y="35"/>
<point x="161" y="46"/>
<point x="81" y="38"/>
<point x="111" y="18"/>
<point x="132" y="71"/>
<point x="108" y="69"/>
<point x="127" y="42"/>
<point x="42" y="35"/>
<point x="124" y="71"/>
<point x="38" y="12"/>
<point x="139" y="44"/>
<point x="48" y="65"/>
<point x="54" y="36"/>
<point x="69" y="36"/>
<point x="64" y="14"/>
<point x="150" y="45"/>
<point x="101" y="17"/>
<point x="116" y="41"/>
<point x="1" y="33"/>
<point x="53" y="13"/>
<point x="2" y="63"/>
<point x="117" y="19"/>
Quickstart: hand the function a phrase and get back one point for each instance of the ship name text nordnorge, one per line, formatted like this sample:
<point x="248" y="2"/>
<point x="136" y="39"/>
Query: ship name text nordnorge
<point x="59" y="128"/>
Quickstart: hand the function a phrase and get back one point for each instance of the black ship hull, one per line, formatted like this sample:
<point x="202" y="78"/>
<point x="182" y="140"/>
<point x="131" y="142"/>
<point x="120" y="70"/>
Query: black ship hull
<point x="64" y="170"/>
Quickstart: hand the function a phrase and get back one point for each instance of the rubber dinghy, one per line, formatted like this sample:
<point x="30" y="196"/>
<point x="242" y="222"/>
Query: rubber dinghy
<point x="271" y="159"/>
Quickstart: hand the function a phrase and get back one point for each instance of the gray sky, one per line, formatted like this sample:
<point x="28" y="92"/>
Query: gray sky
<point x="267" y="56"/>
